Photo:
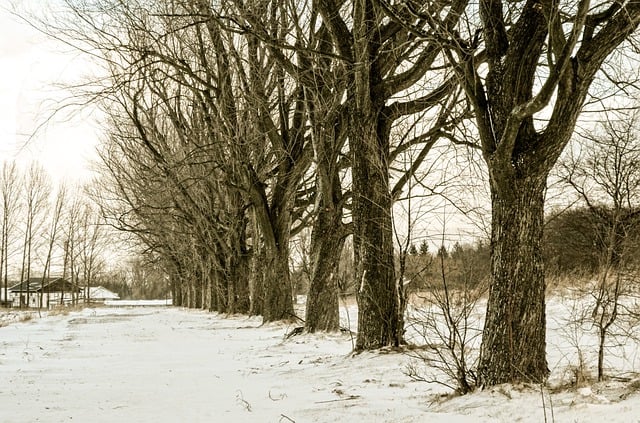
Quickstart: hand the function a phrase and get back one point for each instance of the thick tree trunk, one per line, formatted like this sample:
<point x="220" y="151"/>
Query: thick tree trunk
<point x="513" y="343"/>
<point x="322" y="312"/>
<point x="238" y="265"/>
<point x="278" y="294"/>
<point x="377" y="292"/>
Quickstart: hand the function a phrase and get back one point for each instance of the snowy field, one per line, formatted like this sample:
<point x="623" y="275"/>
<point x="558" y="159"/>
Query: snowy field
<point x="163" y="364"/>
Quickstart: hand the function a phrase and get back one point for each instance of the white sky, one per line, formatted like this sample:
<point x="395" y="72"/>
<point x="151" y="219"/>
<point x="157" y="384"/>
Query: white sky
<point x="31" y="66"/>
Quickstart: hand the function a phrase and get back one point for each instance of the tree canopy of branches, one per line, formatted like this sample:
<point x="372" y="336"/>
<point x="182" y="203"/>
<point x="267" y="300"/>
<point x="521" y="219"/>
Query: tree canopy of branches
<point x="223" y="117"/>
<point x="235" y="124"/>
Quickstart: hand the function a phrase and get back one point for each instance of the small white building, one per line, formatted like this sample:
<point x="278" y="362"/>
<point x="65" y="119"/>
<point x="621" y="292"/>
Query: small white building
<point x="100" y="294"/>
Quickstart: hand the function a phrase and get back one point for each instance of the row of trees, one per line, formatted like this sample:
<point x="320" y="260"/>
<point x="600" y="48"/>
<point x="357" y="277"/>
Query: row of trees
<point x="233" y="125"/>
<point x="135" y="279"/>
<point x="46" y="230"/>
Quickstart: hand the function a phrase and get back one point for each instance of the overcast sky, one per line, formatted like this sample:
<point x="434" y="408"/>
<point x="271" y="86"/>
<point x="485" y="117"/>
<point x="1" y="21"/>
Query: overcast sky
<point x="31" y="68"/>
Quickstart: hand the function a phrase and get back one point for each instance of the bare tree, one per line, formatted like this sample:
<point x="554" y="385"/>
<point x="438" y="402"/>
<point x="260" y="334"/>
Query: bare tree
<point x="606" y="176"/>
<point x="387" y="51"/>
<point x="70" y="242"/>
<point x="9" y="204"/>
<point x="52" y="237"/>
<point x="351" y="57"/>
<point x="541" y="58"/>
<point x="92" y="243"/>
<point x="169" y="140"/>
<point x="36" y="199"/>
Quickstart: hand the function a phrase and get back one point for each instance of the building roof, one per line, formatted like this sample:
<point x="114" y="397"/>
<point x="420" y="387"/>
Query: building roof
<point x="48" y="284"/>
<point x="102" y="293"/>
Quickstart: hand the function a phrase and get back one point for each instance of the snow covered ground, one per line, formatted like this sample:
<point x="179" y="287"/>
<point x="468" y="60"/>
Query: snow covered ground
<point x="163" y="364"/>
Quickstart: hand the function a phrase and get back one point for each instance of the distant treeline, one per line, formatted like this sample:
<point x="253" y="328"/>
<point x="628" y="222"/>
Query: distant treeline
<point x="576" y="243"/>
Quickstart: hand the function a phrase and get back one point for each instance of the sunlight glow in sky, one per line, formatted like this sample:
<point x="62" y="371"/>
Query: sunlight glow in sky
<point x="31" y="67"/>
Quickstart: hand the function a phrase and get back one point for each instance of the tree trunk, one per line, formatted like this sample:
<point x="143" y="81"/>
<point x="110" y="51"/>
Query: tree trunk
<point x="256" y="280"/>
<point x="322" y="312"/>
<point x="176" y="291"/>
<point x="230" y="278"/>
<point x="377" y="292"/>
<point x="240" y="303"/>
<point x="198" y="289"/>
<point x="237" y="265"/>
<point x="215" y="288"/>
<point x="601" y="341"/>
<point x="513" y="343"/>
<point x="278" y="294"/>
<point x="185" y="287"/>
<point x="189" y="294"/>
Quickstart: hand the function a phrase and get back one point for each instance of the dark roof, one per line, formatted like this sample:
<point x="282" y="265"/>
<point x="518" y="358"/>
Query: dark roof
<point x="49" y="284"/>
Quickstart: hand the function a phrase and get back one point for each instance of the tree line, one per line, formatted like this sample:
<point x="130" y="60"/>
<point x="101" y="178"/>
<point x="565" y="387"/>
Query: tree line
<point x="46" y="230"/>
<point x="234" y="125"/>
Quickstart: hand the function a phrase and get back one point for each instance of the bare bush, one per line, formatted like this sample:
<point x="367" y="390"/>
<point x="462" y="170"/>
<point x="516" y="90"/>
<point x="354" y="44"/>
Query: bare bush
<point x="447" y="325"/>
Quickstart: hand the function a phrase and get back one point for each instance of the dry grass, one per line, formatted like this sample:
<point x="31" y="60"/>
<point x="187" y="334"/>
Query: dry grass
<point x="9" y="317"/>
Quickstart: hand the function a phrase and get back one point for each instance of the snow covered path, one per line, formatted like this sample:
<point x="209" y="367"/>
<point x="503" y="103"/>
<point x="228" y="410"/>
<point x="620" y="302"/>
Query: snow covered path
<point x="170" y="364"/>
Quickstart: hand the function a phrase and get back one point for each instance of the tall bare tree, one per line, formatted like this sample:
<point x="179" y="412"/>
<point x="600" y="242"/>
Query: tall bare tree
<point x="9" y="204"/>
<point x="36" y="200"/>
<point x="51" y="239"/>
<point x="92" y="243"/>
<point x="541" y="59"/>
<point x="388" y="50"/>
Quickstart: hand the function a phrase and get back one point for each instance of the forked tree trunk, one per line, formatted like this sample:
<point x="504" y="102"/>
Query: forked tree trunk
<point x="322" y="312"/>
<point x="513" y="342"/>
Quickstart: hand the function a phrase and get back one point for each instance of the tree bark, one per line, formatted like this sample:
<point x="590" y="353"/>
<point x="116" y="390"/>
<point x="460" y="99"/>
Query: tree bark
<point x="519" y="156"/>
<point x="513" y="343"/>
<point x="322" y="311"/>
<point x="377" y="292"/>
<point x="327" y="237"/>
<point x="277" y="291"/>
<point x="220" y="286"/>
<point x="239" y="298"/>
<point x="256" y="278"/>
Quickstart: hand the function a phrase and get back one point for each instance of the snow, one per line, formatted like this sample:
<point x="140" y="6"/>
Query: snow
<point x="164" y="364"/>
